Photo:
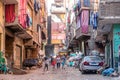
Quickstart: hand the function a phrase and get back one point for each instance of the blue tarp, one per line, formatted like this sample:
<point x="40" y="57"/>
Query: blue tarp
<point x="108" y="72"/>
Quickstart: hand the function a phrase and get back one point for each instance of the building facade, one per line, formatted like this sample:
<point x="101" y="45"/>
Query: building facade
<point x="109" y="23"/>
<point x="22" y="30"/>
<point x="58" y="25"/>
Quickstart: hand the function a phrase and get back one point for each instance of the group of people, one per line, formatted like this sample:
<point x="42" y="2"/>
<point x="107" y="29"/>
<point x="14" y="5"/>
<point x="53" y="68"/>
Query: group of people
<point x="55" y="62"/>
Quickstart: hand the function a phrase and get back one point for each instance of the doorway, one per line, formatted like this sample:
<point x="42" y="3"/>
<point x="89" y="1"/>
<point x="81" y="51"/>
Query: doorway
<point x="18" y="57"/>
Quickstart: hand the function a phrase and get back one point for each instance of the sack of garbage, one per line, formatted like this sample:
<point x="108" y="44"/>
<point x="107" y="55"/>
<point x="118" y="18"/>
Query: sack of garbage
<point x="108" y="72"/>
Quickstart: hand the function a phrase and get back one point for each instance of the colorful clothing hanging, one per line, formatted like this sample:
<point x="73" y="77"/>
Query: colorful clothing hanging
<point x="78" y="22"/>
<point x="28" y="20"/>
<point x="95" y="21"/>
<point x="22" y="14"/>
<point x="91" y="18"/>
<point x="10" y="13"/>
<point x="84" y="21"/>
<point x="36" y="6"/>
<point x="79" y="4"/>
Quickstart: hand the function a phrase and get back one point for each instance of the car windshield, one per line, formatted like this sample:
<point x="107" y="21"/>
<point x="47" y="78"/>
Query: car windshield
<point x="92" y="58"/>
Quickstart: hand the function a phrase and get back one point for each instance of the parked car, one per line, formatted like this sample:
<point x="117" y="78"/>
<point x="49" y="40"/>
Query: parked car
<point x="30" y="62"/>
<point x="90" y="63"/>
<point x="94" y="53"/>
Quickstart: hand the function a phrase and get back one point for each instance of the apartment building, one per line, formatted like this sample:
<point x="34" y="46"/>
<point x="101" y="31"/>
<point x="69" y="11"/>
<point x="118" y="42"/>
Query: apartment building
<point x="22" y="30"/>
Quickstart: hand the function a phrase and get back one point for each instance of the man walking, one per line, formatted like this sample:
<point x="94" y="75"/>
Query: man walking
<point x="46" y="63"/>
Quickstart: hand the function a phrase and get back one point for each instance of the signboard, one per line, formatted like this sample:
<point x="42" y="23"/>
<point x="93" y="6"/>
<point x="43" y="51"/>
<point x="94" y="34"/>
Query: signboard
<point x="56" y="41"/>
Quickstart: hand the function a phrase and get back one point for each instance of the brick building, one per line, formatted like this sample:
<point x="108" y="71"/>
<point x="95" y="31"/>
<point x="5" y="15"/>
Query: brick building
<point x="22" y="30"/>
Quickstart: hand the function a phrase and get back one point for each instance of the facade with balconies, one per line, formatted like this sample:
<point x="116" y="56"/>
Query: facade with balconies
<point x="109" y="20"/>
<point x="78" y="24"/>
<point x="2" y="30"/>
<point x="22" y="35"/>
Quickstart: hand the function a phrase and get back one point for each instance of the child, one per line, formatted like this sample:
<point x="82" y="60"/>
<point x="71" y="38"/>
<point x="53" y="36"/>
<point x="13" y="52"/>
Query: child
<point x="53" y="63"/>
<point x="46" y="63"/>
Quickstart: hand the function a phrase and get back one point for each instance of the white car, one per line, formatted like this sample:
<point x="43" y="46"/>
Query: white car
<point x="90" y="63"/>
<point x="94" y="53"/>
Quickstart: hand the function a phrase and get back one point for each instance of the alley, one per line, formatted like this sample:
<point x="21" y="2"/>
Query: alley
<point x="67" y="74"/>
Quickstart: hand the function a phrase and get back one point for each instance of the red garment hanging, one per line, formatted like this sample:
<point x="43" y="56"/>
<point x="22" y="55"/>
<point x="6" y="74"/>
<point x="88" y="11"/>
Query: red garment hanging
<point x="22" y="13"/>
<point x="10" y="13"/>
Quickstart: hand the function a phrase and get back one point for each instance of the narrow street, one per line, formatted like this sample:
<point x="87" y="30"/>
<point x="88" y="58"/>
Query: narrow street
<point x="60" y="74"/>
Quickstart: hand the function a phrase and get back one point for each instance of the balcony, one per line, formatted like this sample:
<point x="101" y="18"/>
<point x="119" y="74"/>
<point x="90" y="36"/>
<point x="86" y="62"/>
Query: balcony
<point x="80" y="35"/>
<point x="17" y="29"/>
<point x="109" y="13"/>
<point x="84" y="6"/>
<point x="10" y="1"/>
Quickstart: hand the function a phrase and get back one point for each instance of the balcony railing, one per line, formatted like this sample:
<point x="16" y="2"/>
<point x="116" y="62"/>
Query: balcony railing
<point x="79" y="32"/>
<point x="10" y="1"/>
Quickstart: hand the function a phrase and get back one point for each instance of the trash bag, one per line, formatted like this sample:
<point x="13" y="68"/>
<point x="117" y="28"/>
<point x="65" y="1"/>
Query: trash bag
<point x="108" y="72"/>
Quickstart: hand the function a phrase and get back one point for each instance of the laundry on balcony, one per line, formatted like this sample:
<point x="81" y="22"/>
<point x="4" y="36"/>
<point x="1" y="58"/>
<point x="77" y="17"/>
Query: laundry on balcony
<point x="94" y="19"/>
<point x="78" y="22"/>
<point x="79" y="4"/>
<point x="36" y="6"/>
<point x="86" y="3"/>
<point x="22" y="14"/>
<point x="95" y="22"/>
<point x="10" y="13"/>
<point x="28" y="20"/>
<point x="91" y="18"/>
<point x="84" y="21"/>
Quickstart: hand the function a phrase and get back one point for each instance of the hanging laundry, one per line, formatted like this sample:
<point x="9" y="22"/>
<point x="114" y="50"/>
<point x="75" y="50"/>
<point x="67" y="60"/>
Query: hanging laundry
<point x="79" y="4"/>
<point x="91" y="18"/>
<point x="10" y="13"/>
<point x="72" y="17"/>
<point x="78" y="22"/>
<point x="84" y="21"/>
<point x="68" y="18"/>
<point x="95" y="21"/>
<point x="22" y="13"/>
<point x="87" y="3"/>
<point x="36" y="6"/>
<point x="28" y="20"/>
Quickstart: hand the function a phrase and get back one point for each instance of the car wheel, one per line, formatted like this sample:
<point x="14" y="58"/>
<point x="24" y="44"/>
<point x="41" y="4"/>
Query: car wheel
<point x="82" y="71"/>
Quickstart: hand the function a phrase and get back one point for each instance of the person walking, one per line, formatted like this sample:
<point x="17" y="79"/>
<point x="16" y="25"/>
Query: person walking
<point x="46" y="63"/>
<point x="63" y="61"/>
<point x="53" y="63"/>
<point x="58" y="59"/>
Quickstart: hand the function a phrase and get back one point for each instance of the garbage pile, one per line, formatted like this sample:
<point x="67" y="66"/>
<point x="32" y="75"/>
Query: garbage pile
<point x="107" y="71"/>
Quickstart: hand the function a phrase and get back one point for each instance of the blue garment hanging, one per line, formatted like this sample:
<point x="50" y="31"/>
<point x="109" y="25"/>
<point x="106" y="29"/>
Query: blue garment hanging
<point x="36" y="6"/>
<point x="28" y="20"/>
<point x="91" y="18"/>
<point x="79" y="4"/>
<point x="95" y="23"/>
<point x="87" y="3"/>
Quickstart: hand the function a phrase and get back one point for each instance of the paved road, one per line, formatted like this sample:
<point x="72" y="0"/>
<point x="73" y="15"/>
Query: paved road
<point x="67" y="74"/>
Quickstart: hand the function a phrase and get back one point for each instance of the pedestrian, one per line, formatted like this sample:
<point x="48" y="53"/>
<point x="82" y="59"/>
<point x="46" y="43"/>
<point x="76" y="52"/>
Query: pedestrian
<point x="46" y="63"/>
<point x="63" y="61"/>
<point x="53" y="63"/>
<point x="58" y="59"/>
